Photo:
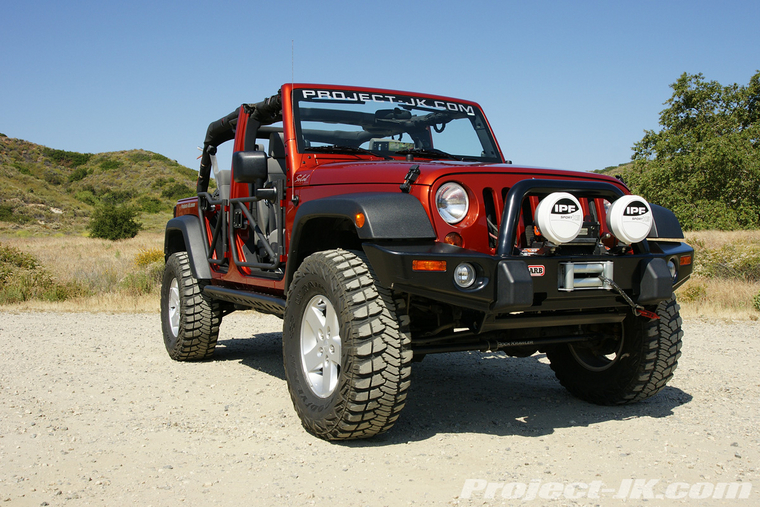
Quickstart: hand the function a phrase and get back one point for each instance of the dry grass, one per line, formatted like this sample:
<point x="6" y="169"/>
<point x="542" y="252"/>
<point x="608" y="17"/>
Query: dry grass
<point x="100" y="265"/>
<point x="724" y="298"/>
<point x="713" y="240"/>
<point x="718" y="298"/>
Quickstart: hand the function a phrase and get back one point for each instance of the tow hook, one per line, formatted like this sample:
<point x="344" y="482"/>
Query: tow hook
<point x="638" y="310"/>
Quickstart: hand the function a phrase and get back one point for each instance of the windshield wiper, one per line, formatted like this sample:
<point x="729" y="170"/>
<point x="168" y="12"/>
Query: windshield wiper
<point x="347" y="149"/>
<point x="429" y="153"/>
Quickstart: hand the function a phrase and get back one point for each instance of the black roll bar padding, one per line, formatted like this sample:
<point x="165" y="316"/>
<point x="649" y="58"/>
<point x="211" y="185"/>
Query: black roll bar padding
<point x="267" y="111"/>
<point x="218" y="132"/>
<point x="513" y="204"/>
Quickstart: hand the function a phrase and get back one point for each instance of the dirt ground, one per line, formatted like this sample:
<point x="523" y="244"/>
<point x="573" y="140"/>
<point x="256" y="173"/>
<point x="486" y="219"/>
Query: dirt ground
<point x="93" y="412"/>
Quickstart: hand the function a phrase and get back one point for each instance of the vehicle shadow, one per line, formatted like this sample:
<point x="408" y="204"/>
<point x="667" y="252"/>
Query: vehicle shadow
<point x="473" y="392"/>
<point x="262" y="352"/>
<point x="489" y="393"/>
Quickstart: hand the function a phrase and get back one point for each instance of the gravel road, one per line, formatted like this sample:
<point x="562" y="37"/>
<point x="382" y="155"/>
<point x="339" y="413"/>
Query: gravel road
<point x="93" y="412"/>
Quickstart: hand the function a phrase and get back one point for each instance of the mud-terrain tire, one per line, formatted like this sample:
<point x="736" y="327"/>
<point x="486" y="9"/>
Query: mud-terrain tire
<point x="346" y="348"/>
<point x="189" y="319"/>
<point x="626" y="371"/>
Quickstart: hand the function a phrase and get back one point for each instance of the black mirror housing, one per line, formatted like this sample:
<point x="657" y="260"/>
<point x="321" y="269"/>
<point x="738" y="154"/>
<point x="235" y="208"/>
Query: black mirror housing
<point x="249" y="166"/>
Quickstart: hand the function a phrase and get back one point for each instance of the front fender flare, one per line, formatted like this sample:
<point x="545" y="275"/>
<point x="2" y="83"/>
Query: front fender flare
<point x="387" y="216"/>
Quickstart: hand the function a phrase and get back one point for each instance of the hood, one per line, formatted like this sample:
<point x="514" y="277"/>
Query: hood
<point x="394" y="171"/>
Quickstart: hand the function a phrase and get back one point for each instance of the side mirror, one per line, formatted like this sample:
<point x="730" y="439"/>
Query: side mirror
<point x="249" y="166"/>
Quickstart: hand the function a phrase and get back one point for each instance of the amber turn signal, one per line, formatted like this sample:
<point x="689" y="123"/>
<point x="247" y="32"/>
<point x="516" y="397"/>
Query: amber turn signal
<point x="359" y="220"/>
<point x="418" y="265"/>
<point x="685" y="260"/>
<point x="453" y="238"/>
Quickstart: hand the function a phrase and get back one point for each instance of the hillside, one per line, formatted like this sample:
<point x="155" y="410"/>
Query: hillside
<point x="43" y="190"/>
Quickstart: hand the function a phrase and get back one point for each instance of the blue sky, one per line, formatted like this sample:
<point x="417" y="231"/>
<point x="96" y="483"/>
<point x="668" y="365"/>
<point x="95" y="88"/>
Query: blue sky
<point x="566" y="84"/>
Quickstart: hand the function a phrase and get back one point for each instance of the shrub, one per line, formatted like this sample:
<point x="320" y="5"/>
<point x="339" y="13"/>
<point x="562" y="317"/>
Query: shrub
<point x="144" y="258"/>
<point x="8" y="214"/>
<point x="116" y="197"/>
<point x="15" y="258"/>
<point x="87" y="197"/>
<point x="732" y="260"/>
<point x="114" y="222"/>
<point x="177" y="191"/>
<point x="756" y="301"/>
<point x="67" y="158"/>
<point x="139" y="157"/>
<point x="22" y="168"/>
<point x="109" y="165"/>
<point x="79" y="173"/>
<point x="692" y="292"/>
<point x="150" y="204"/>
<point x="144" y="281"/>
<point x="53" y="177"/>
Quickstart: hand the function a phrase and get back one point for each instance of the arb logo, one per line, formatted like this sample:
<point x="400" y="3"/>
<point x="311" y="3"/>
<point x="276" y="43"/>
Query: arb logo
<point x="536" y="270"/>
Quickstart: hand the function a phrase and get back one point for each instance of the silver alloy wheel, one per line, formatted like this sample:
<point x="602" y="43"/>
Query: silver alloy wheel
<point x="320" y="346"/>
<point x="173" y="307"/>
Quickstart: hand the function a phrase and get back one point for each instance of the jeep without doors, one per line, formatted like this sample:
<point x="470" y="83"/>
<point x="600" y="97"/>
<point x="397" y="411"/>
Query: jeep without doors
<point x="383" y="226"/>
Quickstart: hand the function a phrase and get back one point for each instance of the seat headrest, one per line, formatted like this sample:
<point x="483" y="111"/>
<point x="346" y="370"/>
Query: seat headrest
<point x="277" y="145"/>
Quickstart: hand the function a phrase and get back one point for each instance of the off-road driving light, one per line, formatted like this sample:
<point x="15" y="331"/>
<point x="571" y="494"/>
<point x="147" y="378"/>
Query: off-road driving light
<point x="559" y="217"/>
<point x="464" y="275"/>
<point x="452" y="202"/>
<point x="630" y="219"/>
<point x="673" y="267"/>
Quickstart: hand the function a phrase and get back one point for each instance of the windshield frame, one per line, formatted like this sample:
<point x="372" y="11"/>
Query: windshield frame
<point x="417" y="118"/>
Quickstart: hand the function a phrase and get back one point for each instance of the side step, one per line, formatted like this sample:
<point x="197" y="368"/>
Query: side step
<point x="263" y="303"/>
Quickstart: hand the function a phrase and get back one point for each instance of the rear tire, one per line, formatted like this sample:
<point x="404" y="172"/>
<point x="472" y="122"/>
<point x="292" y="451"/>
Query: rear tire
<point x="623" y="369"/>
<point x="346" y="349"/>
<point x="190" y="320"/>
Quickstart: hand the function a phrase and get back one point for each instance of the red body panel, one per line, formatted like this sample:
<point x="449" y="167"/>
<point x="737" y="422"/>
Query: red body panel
<point x="314" y="176"/>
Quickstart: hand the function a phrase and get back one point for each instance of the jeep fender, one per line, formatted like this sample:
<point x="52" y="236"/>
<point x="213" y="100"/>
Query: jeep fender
<point x="387" y="216"/>
<point x="665" y="224"/>
<point x="184" y="233"/>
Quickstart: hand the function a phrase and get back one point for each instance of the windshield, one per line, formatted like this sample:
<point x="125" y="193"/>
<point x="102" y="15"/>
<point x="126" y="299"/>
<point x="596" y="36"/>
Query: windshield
<point x="345" y="121"/>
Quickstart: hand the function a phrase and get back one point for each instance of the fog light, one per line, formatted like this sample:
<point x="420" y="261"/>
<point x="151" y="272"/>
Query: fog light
<point x="464" y="275"/>
<point x="673" y="269"/>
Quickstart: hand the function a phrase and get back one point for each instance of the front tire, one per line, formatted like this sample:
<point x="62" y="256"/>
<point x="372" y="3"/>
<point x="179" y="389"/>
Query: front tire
<point x="346" y="348"/>
<point x="189" y="319"/>
<point x="625" y="368"/>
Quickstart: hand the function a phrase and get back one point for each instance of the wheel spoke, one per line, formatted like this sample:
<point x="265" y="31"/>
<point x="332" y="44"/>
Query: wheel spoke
<point x="320" y="346"/>
<point x="174" y="307"/>
<point x="312" y="360"/>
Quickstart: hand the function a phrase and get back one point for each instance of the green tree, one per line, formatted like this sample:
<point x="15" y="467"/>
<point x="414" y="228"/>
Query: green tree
<point x="704" y="163"/>
<point x="114" y="222"/>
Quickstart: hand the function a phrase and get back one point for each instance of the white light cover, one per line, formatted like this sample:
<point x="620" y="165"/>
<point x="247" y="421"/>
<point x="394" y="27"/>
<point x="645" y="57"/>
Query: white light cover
<point x="559" y="217"/>
<point x="630" y="219"/>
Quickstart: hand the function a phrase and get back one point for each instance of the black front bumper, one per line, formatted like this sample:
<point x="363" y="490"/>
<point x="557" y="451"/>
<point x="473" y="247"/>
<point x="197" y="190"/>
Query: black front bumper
<point x="505" y="284"/>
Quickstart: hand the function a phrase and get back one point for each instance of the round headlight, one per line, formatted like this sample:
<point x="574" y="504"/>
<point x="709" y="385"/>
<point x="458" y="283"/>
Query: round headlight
<point x="452" y="202"/>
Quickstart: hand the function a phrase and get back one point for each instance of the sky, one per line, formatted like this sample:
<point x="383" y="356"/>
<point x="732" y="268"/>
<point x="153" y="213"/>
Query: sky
<point x="564" y="84"/>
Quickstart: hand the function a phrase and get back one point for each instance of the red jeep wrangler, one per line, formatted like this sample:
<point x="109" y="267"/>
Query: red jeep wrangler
<point x="383" y="226"/>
